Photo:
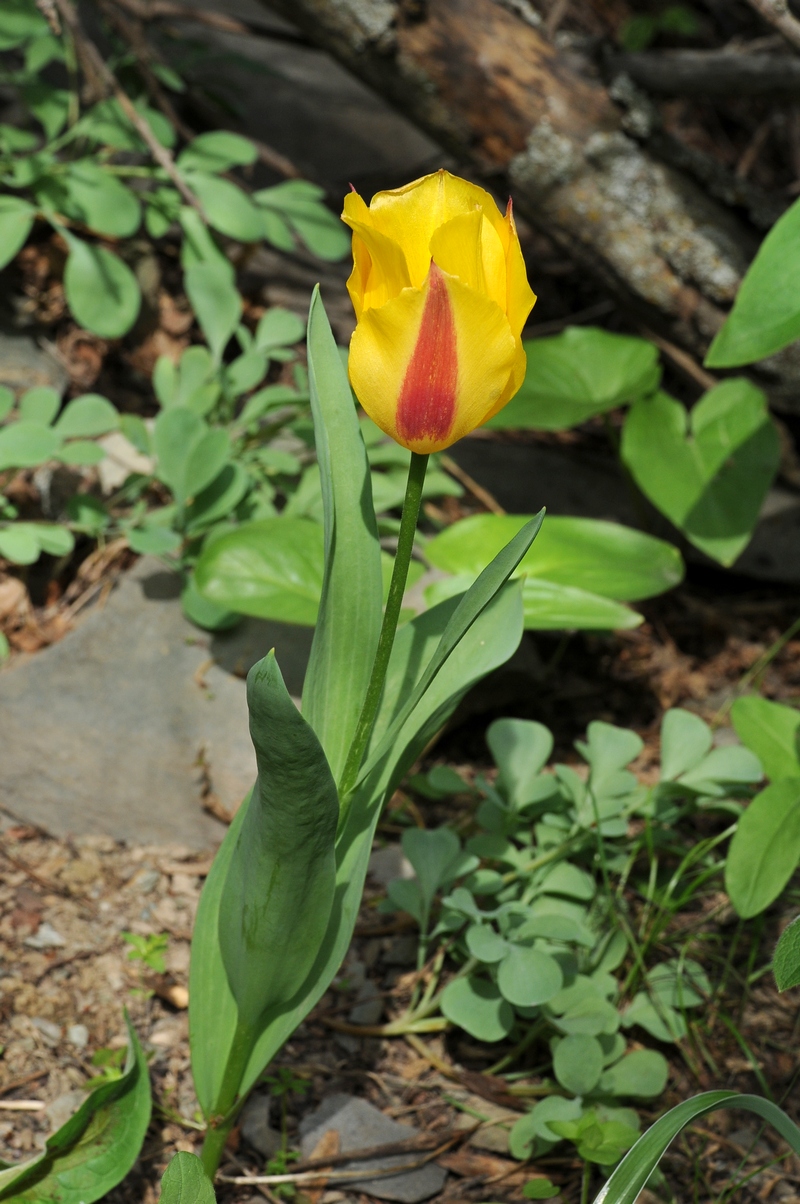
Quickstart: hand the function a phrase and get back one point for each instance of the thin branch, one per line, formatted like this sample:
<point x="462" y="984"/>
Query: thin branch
<point x="710" y="72"/>
<point x="156" y="9"/>
<point x="776" y="12"/>
<point x="131" y="33"/>
<point x="102" y="79"/>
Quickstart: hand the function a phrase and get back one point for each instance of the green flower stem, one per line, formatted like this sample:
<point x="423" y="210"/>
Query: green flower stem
<point x="227" y="1104"/>
<point x="405" y="545"/>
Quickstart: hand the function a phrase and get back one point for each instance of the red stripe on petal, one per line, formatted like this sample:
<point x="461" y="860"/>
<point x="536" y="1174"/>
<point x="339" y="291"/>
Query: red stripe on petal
<point x="427" y="404"/>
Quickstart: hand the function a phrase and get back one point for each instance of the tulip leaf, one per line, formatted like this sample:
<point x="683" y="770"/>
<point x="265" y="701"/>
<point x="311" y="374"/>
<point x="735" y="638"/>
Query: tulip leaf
<point x="578" y="553"/>
<point x="340" y="665"/>
<point x="629" y="1178"/>
<point x="95" y="1149"/>
<point x="271" y="568"/>
<point x="186" y="1182"/>
<point x="765" y="848"/>
<point x="708" y="470"/>
<point x="490" y="641"/>
<point x="772" y="731"/>
<point x="278" y="891"/>
<point x="470" y="605"/>
<point x="577" y="374"/>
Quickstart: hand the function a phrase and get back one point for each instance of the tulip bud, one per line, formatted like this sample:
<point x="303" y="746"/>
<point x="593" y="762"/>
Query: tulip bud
<point x="441" y="297"/>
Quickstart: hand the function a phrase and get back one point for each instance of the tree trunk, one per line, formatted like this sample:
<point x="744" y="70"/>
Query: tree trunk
<point x="485" y="83"/>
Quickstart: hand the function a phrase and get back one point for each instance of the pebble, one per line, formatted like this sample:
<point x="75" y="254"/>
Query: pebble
<point x="51" y="1032"/>
<point x="255" y="1126"/>
<point x="45" y="937"/>
<point x="78" y="1035"/>
<point x="360" y="1125"/>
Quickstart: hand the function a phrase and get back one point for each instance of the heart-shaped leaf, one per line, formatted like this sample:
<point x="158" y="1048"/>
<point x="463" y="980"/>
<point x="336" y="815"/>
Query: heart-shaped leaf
<point x="707" y="470"/>
<point x="577" y="374"/>
<point x="476" y="1005"/>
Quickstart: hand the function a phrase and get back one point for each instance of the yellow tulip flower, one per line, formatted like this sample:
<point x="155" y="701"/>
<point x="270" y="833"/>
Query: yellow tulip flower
<point x="441" y="295"/>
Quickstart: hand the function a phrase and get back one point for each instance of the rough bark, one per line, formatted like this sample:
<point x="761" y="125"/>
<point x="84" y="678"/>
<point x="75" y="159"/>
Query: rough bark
<point x="712" y="73"/>
<point x="487" y="84"/>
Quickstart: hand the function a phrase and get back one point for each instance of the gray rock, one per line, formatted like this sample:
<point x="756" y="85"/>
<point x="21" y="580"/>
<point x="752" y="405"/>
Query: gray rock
<point x="402" y="951"/>
<point x="60" y="1110"/>
<point x="360" y="1126"/>
<point x="389" y="863"/>
<point x="78" y="1035"/>
<point x="368" y="1007"/>
<point x="45" y="937"/>
<point x="255" y="1126"/>
<point x="49" y="1030"/>
<point x="25" y="365"/>
<point x="102" y="732"/>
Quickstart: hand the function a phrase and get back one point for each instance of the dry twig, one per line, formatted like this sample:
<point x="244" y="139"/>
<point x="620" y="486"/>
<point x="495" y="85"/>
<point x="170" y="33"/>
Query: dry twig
<point x="776" y="12"/>
<point x="102" y="80"/>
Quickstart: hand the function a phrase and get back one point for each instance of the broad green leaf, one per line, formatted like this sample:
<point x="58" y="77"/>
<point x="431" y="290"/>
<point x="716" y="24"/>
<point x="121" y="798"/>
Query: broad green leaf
<point x="297" y="204"/>
<point x="766" y="313"/>
<point x="39" y="405"/>
<point x="190" y="454"/>
<point x="205" y="461"/>
<point x="6" y="401"/>
<point x="582" y="372"/>
<point x="20" y="20"/>
<point x="685" y="740"/>
<point x="217" y="151"/>
<point x="642" y="1074"/>
<point x="26" y="444"/>
<point x="772" y="731"/>
<point x="271" y="568"/>
<point x="340" y="666"/>
<point x="540" y="1189"/>
<point x="102" y="292"/>
<point x="244" y="373"/>
<point x="535" y="1124"/>
<point x="87" y="514"/>
<point x="215" y="302"/>
<point x="765" y="848"/>
<point x="154" y="540"/>
<point x="206" y="614"/>
<point x="49" y="105"/>
<point x="476" y="1005"/>
<point x="19" y="543"/>
<point x="578" y="1063"/>
<point x="527" y="977"/>
<point x="200" y="247"/>
<point x="278" y="892"/>
<point x="217" y="500"/>
<point x="88" y="415"/>
<point x="488" y="643"/>
<point x="185" y="1182"/>
<point x="631" y="1176"/>
<point x="589" y="554"/>
<point x="550" y="606"/>
<point x="280" y="328"/>
<point x="107" y="124"/>
<point x="707" y="470"/>
<point x="54" y="539"/>
<point x="520" y="748"/>
<point x="786" y="963"/>
<point x="87" y="193"/>
<point x="431" y="851"/>
<point x="81" y="452"/>
<point x="227" y="208"/>
<point x="16" y="220"/>
<point x="485" y="944"/>
<point x="95" y="1149"/>
<point x="658" y="1019"/>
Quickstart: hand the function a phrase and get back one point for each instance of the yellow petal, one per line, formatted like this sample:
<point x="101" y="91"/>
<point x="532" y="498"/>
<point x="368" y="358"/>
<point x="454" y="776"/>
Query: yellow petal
<point x="469" y="247"/>
<point x="379" y="265"/>
<point x="431" y="364"/>
<point x="514" y="382"/>
<point x="520" y="297"/>
<point x="410" y="215"/>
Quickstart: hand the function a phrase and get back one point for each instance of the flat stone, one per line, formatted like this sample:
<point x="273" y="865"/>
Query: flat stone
<point x="255" y="1127"/>
<point x="389" y="863"/>
<point x="360" y="1125"/>
<point x="102" y="732"/>
<point x="26" y="365"/>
